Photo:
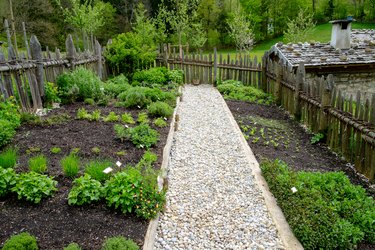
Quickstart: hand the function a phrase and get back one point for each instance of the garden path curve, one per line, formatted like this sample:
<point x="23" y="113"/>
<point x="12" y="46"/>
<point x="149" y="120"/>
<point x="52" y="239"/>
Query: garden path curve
<point x="216" y="198"/>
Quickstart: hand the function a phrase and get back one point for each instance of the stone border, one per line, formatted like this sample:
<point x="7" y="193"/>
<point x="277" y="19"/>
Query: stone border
<point x="289" y="240"/>
<point x="149" y="240"/>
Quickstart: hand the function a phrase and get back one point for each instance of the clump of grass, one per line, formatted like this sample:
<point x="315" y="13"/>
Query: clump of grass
<point x="160" y="122"/>
<point x="70" y="165"/>
<point x="55" y="150"/>
<point x="8" y="158"/>
<point x="38" y="164"/>
<point x="127" y="118"/>
<point x="95" y="169"/>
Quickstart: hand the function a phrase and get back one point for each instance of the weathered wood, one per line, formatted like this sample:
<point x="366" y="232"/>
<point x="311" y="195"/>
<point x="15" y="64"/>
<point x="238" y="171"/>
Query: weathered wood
<point x="7" y="31"/>
<point x="215" y="67"/>
<point x="277" y="91"/>
<point x="299" y="83"/>
<point x="25" y="40"/>
<point x="36" y="54"/>
<point x="98" y="54"/>
<point x="372" y="112"/>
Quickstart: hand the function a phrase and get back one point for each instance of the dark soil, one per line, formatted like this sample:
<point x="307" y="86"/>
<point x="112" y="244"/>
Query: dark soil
<point x="272" y="134"/>
<point x="53" y="222"/>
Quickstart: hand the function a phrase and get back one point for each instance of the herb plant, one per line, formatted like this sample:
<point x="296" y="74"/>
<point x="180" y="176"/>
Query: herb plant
<point x="143" y="118"/>
<point x="73" y="246"/>
<point x="8" y="158"/>
<point x="160" y="122"/>
<point x="160" y="109"/>
<point x="82" y="114"/>
<point x="85" y="190"/>
<point x="95" y="115"/>
<point x="33" y="186"/>
<point x="22" y="241"/>
<point x="8" y="178"/>
<point x="316" y="138"/>
<point x="95" y="169"/>
<point x="70" y="165"/>
<point x="141" y="136"/>
<point x="38" y="164"/>
<point x="119" y="243"/>
<point x="89" y="101"/>
<point x="127" y="118"/>
<point x="112" y="117"/>
<point x="55" y="150"/>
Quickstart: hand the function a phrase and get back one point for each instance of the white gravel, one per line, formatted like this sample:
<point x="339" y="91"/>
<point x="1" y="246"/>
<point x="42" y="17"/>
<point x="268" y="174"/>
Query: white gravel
<point x="212" y="200"/>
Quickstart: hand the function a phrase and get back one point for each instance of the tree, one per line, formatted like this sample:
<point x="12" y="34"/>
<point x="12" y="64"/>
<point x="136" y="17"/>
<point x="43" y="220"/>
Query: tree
<point x="300" y="27"/>
<point x="240" y="32"/>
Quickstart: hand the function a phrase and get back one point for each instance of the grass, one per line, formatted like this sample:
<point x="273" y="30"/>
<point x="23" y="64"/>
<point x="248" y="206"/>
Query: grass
<point x="38" y="164"/>
<point x="8" y="158"/>
<point x="70" y="165"/>
<point x="95" y="169"/>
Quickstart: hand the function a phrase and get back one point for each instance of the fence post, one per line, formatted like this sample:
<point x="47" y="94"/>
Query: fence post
<point x="299" y="83"/>
<point x="70" y="51"/>
<point x="36" y="54"/>
<point x="264" y="71"/>
<point x="326" y="102"/>
<point x="215" y="67"/>
<point x="98" y="51"/>
<point x="7" y="79"/>
<point x="6" y="27"/>
<point x="279" y="75"/>
<point x="26" y="42"/>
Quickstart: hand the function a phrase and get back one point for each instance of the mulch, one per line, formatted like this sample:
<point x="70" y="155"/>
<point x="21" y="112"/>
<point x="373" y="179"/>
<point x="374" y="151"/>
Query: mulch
<point x="53" y="221"/>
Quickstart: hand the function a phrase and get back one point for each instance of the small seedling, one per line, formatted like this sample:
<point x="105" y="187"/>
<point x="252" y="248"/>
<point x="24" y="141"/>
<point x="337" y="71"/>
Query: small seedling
<point x="95" y="150"/>
<point x="127" y="118"/>
<point x="75" y="151"/>
<point x="159" y="122"/>
<point x="253" y="130"/>
<point x="317" y="138"/>
<point x="121" y="153"/>
<point x="95" y="115"/>
<point x="32" y="150"/>
<point x="55" y="150"/>
<point x="112" y="117"/>
<point x="83" y="114"/>
<point x="256" y="139"/>
<point x="38" y="164"/>
<point x="143" y="118"/>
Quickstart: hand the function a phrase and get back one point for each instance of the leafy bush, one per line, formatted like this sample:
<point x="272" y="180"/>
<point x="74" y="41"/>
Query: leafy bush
<point x="141" y="136"/>
<point x="8" y="158"/>
<point x="134" y="97"/>
<point x="22" y="241"/>
<point x="143" y="118"/>
<point x="33" y="186"/>
<point x="89" y="101"/>
<point x="151" y="77"/>
<point x="85" y="190"/>
<point x="160" y="109"/>
<point x="50" y="94"/>
<point x="119" y="243"/>
<point x="235" y="90"/>
<point x="327" y="211"/>
<point x="160" y="122"/>
<point x="38" y="164"/>
<point x="147" y="160"/>
<point x="9" y="112"/>
<point x="7" y="132"/>
<point x="70" y="165"/>
<point x="175" y="76"/>
<point x="116" y="85"/>
<point x="95" y="169"/>
<point x="127" y="118"/>
<point x="112" y="117"/>
<point x="73" y="246"/>
<point x="7" y="180"/>
<point x="79" y="84"/>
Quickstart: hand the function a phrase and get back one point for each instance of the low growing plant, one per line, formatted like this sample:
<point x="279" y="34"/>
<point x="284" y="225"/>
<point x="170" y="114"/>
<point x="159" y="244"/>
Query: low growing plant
<point x="143" y="118"/>
<point x="89" y="101"/>
<point x="55" y="150"/>
<point x="127" y="118"/>
<point x="8" y="178"/>
<point x="112" y="117"/>
<point x="38" y="164"/>
<point x="316" y="138"/>
<point x="134" y="98"/>
<point x="119" y="243"/>
<point x="95" y="169"/>
<point x="160" y="122"/>
<point x="33" y="186"/>
<point x="95" y="150"/>
<point x="8" y="158"/>
<point x="32" y="150"/>
<point x="141" y="136"/>
<point x="73" y="246"/>
<point x="7" y="132"/>
<point x="70" y="165"/>
<point x="85" y="190"/>
<point x="160" y="109"/>
<point x="22" y="241"/>
<point x="82" y="114"/>
<point x="95" y="115"/>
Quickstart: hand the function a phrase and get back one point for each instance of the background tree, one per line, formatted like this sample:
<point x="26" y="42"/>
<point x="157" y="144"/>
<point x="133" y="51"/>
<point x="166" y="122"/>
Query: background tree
<point x="300" y="27"/>
<point x="239" y="30"/>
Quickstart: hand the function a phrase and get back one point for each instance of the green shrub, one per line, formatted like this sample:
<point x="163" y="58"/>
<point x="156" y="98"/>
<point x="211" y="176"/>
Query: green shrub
<point x="85" y="190"/>
<point x="89" y="101"/>
<point x="327" y="211"/>
<point x="7" y="180"/>
<point x="127" y="118"/>
<point x="38" y="164"/>
<point x="112" y="117"/>
<point x="141" y="136"/>
<point x="134" y="98"/>
<point x="22" y="241"/>
<point x="73" y="246"/>
<point x="175" y="76"/>
<point x="50" y="94"/>
<point x="9" y="112"/>
<point x="160" y="109"/>
<point x="8" y="158"/>
<point x="55" y="150"/>
<point x="95" y="169"/>
<point x="119" y="243"/>
<point x="151" y="77"/>
<point x="235" y="90"/>
<point x="33" y="186"/>
<point x="70" y="165"/>
<point x="147" y="160"/>
<point x="160" y="122"/>
<point x="143" y="118"/>
<point x="116" y="85"/>
<point x="7" y="132"/>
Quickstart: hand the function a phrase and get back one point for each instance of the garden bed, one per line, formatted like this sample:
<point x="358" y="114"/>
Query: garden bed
<point x="53" y="221"/>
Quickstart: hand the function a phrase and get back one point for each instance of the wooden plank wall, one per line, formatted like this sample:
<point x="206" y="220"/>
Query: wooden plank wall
<point x="348" y="124"/>
<point x="24" y="76"/>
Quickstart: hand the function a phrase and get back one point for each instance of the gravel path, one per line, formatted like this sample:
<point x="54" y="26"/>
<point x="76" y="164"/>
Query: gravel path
<point x="213" y="201"/>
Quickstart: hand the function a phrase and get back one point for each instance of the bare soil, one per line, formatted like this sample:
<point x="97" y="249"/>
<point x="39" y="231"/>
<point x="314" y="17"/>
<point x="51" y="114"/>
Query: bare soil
<point x="53" y="222"/>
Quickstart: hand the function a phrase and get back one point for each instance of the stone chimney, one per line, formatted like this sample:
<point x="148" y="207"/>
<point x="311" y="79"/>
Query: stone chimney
<point x="340" y="37"/>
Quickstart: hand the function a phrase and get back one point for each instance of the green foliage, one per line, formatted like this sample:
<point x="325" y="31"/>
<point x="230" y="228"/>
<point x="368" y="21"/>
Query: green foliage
<point x="33" y="186"/>
<point x="116" y="85"/>
<point x="95" y="150"/>
<point x="89" y="101"/>
<point x="160" y="122"/>
<point x="134" y="98"/>
<point x="8" y="179"/>
<point x="8" y="158"/>
<point x="119" y="243"/>
<point x="327" y="211"/>
<point x="160" y="109"/>
<point x="7" y="132"/>
<point x="79" y="85"/>
<point x="300" y="27"/>
<point x="55" y="150"/>
<point x="235" y="90"/>
<point x="151" y="77"/>
<point x="85" y="190"/>
<point x="176" y="76"/>
<point x="70" y="165"/>
<point x="83" y="114"/>
<point x="240" y="32"/>
<point x="30" y="118"/>
<point x="127" y="118"/>
<point x="32" y="150"/>
<point x="317" y="138"/>
<point x="50" y="94"/>
<point x="95" y="115"/>
<point x="10" y="120"/>
<point x="112" y="117"/>
<point x="142" y="136"/>
<point x="147" y="160"/>
<point x="95" y="169"/>
<point x="38" y="164"/>
<point x="143" y="118"/>
<point x="73" y="246"/>
<point x="22" y="241"/>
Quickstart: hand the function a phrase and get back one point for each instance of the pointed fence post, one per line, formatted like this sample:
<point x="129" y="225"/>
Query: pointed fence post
<point x="36" y="55"/>
<point x="98" y="52"/>
<point x="25" y="40"/>
<point x="215" y="67"/>
<point x="70" y="51"/>
<point x="279" y="76"/>
<point x="326" y="102"/>
<point x="300" y="79"/>
<point x="6" y="27"/>
<point x="264" y="72"/>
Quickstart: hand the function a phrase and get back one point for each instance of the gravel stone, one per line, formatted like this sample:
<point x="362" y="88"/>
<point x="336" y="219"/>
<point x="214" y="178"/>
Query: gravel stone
<point x="213" y="201"/>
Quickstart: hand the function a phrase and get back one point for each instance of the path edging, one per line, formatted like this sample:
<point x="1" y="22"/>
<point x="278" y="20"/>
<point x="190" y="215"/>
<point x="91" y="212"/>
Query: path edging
<point x="149" y="240"/>
<point x="288" y="238"/>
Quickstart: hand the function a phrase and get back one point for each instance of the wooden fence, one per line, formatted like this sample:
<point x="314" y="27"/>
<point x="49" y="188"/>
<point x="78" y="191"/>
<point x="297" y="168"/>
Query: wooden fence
<point x="24" y="76"/>
<point x="348" y="124"/>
